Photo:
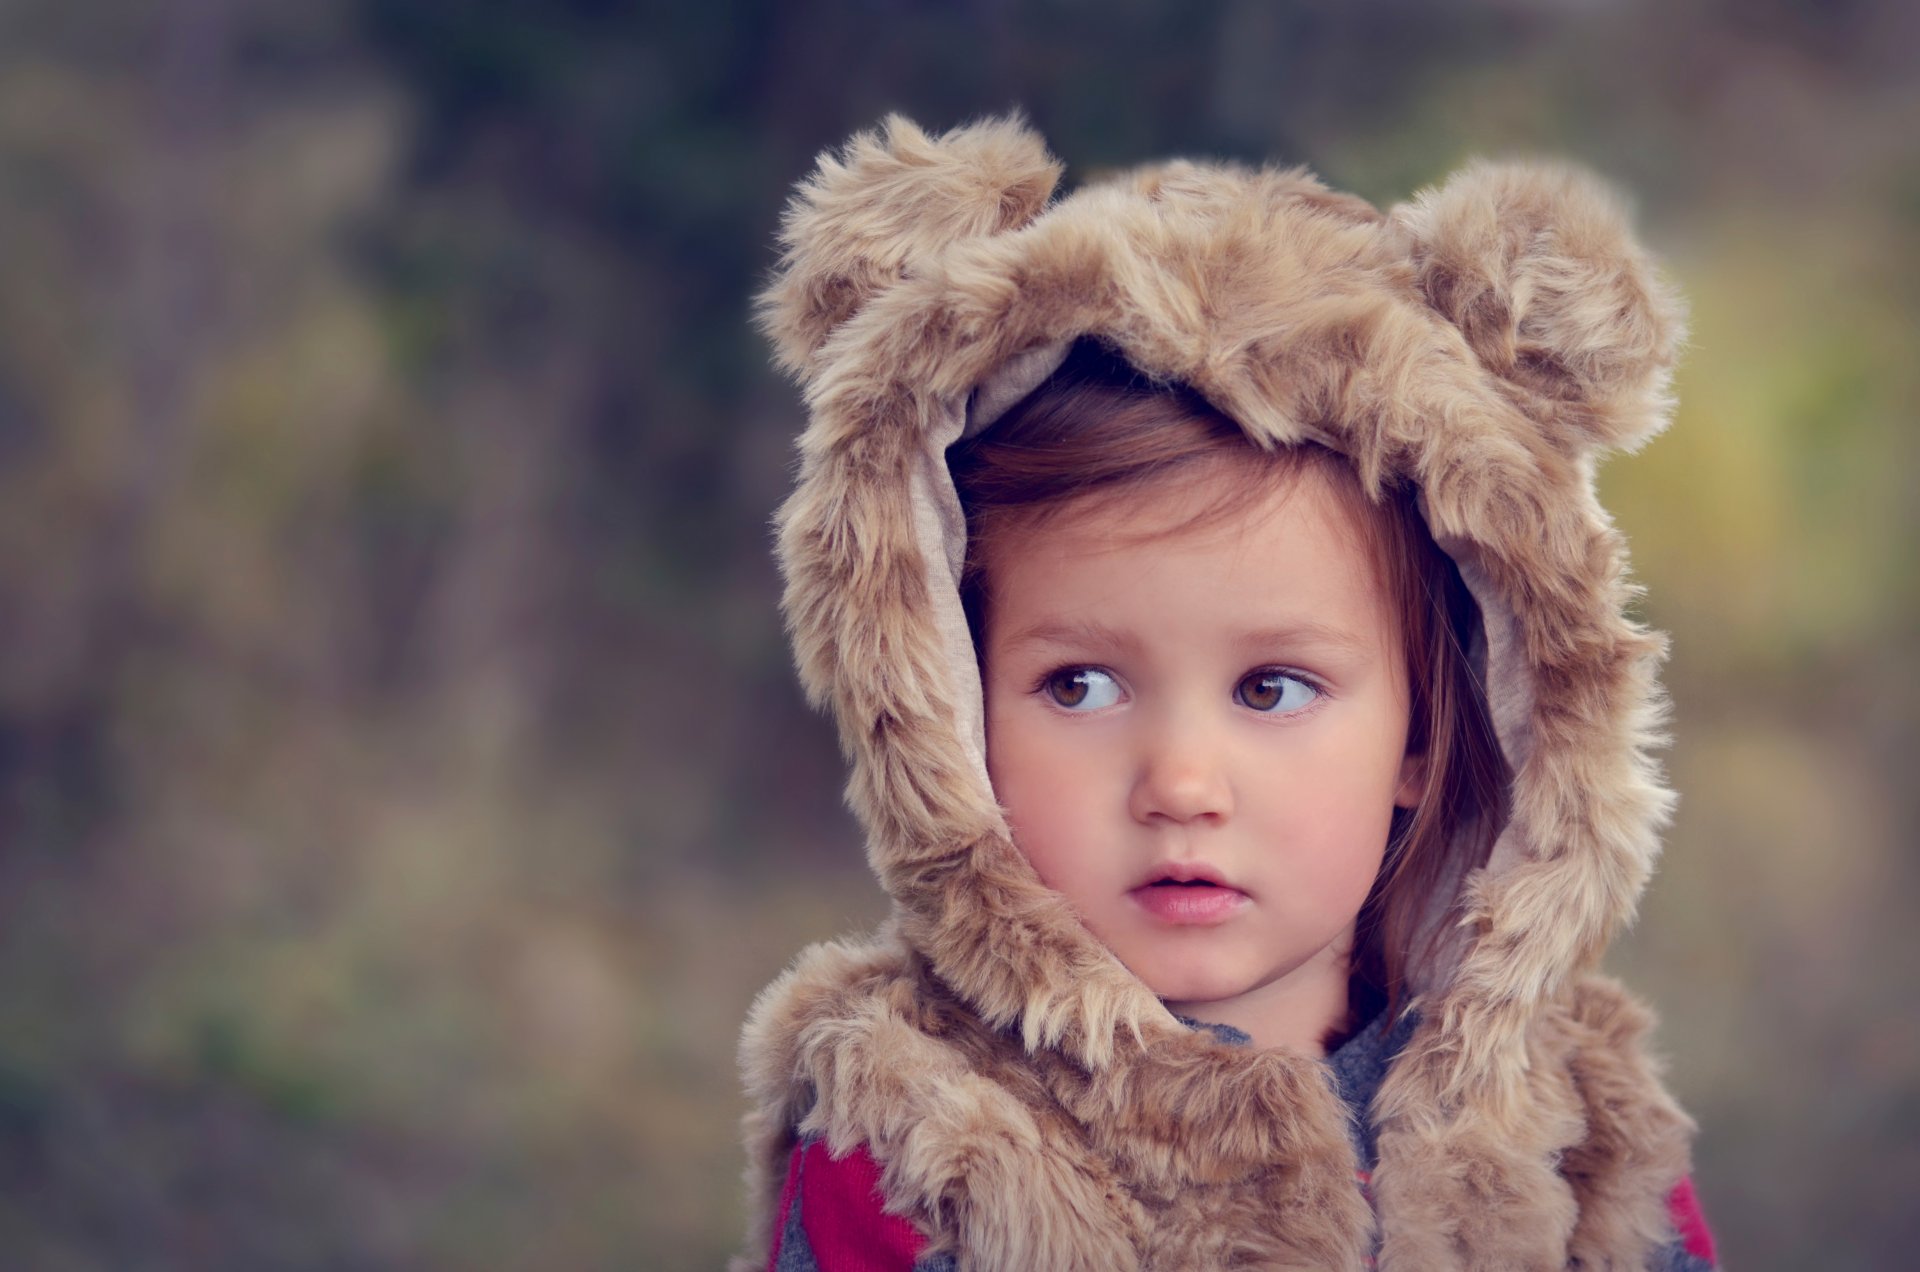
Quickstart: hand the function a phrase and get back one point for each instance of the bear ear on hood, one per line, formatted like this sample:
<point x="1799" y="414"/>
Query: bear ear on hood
<point x="888" y="197"/>
<point x="1537" y="264"/>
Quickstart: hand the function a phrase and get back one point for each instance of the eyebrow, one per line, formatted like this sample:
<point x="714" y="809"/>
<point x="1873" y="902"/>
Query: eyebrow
<point x="1305" y="632"/>
<point x="1090" y="632"/>
<point x="1072" y="632"/>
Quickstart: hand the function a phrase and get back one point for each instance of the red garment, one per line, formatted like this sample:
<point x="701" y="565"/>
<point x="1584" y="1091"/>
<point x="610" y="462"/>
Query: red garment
<point x="1688" y="1220"/>
<point x="840" y="1213"/>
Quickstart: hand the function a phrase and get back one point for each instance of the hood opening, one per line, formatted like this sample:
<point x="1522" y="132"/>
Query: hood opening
<point x="927" y="283"/>
<point x="1433" y="944"/>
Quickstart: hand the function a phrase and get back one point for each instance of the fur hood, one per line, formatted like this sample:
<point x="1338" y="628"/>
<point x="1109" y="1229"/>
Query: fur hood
<point x="1031" y="1103"/>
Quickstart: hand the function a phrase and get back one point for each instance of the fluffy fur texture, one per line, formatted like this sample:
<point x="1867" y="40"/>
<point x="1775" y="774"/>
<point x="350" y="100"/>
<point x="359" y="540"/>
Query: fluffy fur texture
<point x="1032" y="1104"/>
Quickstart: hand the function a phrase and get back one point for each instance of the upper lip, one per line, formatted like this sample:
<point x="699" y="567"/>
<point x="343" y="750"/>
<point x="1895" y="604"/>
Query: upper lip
<point x="1185" y="872"/>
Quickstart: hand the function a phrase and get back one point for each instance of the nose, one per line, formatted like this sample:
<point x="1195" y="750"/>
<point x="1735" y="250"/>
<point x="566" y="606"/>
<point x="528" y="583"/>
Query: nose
<point x="1182" y="777"/>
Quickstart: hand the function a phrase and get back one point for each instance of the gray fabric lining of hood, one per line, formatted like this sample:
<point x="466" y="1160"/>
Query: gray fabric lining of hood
<point x="1496" y="652"/>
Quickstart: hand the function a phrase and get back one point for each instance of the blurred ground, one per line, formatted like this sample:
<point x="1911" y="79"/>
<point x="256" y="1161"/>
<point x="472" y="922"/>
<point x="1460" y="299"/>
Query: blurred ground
<point x="402" y="786"/>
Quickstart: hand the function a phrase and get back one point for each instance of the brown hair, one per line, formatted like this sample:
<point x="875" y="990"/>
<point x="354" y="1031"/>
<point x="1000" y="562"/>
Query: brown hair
<point x="1098" y="425"/>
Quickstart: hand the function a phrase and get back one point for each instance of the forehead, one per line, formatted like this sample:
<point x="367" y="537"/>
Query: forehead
<point x="1287" y="549"/>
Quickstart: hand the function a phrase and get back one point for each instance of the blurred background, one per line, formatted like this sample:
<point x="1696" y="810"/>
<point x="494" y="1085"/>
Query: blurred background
<point x="403" y="790"/>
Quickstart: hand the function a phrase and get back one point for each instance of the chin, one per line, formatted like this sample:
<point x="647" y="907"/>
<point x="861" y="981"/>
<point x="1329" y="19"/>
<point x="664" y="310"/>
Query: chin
<point x="1193" y="986"/>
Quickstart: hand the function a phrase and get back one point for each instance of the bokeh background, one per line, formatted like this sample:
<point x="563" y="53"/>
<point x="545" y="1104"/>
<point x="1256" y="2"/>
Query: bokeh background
<point x="403" y="790"/>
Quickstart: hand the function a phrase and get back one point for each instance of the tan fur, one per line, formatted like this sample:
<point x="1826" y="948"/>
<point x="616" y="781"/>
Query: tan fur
<point x="1031" y="1103"/>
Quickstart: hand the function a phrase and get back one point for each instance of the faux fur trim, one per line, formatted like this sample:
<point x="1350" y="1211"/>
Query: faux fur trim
<point x="1485" y="342"/>
<point x="1206" y="1155"/>
<point x="886" y="199"/>
<point x="1536" y="266"/>
<point x="1571" y="1169"/>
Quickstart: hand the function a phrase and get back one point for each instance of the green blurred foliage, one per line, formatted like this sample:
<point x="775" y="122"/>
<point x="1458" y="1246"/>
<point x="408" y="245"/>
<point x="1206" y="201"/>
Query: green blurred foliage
<point x="402" y="786"/>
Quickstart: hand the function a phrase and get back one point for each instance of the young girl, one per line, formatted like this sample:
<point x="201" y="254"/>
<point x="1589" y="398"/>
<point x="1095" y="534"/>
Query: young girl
<point x="1205" y="574"/>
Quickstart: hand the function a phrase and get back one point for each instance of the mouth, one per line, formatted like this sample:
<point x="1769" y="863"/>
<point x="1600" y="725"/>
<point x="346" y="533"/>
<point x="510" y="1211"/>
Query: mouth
<point x="1185" y="874"/>
<point x="1187" y="895"/>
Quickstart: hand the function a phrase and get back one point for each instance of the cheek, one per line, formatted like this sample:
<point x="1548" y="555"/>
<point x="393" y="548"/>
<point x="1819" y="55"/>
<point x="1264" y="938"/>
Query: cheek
<point x="1335" y="814"/>
<point x="1322" y="889"/>
<point x="1045" y="788"/>
<point x="1354" y="776"/>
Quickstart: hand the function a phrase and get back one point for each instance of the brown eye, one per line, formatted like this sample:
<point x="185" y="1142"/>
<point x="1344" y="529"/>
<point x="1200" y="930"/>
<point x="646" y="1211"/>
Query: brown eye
<point x="1274" y="691"/>
<point x="1082" y="688"/>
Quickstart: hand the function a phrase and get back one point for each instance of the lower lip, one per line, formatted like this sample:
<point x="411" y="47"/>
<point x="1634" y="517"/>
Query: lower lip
<point x="1189" y="905"/>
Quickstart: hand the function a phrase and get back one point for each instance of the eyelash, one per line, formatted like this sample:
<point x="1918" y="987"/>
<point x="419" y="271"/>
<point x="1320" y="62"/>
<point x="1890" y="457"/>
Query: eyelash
<point x="1319" y="691"/>
<point x="1039" y="687"/>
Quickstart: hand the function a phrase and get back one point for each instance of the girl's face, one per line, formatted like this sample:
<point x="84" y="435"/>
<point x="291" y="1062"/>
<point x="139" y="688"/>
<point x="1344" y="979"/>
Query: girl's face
<point x="1200" y="737"/>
